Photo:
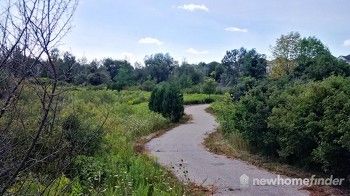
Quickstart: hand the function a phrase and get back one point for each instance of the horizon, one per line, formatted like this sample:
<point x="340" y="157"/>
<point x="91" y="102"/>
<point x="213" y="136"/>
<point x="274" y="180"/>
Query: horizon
<point x="200" y="31"/>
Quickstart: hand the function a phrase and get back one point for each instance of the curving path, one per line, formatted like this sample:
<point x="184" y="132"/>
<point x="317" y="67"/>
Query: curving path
<point x="182" y="151"/>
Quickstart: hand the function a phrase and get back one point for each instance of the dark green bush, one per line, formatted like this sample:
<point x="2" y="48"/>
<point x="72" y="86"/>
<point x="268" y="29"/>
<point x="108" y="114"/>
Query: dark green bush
<point x="250" y="116"/>
<point x="167" y="100"/>
<point x="148" y="85"/>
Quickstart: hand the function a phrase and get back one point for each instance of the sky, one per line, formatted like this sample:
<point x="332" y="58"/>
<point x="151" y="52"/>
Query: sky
<point x="201" y="30"/>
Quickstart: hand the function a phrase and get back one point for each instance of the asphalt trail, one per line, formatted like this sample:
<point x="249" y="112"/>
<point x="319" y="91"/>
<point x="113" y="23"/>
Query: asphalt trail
<point x="182" y="151"/>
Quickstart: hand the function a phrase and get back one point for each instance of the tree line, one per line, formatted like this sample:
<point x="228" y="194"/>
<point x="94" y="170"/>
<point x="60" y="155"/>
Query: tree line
<point x="157" y="68"/>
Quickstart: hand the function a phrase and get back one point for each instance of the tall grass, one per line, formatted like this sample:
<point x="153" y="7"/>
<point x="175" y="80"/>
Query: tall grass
<point x="198" y="98"/>
<point x="116" y="169"/>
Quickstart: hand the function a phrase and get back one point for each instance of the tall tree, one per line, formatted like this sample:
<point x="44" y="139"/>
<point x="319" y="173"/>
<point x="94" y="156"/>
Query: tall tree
<point x="112" y="66"/>
<point x="285" y="53"/>
<point x="242" y="62"/>
<point x="68" y="67"/>
<point x="232" y="63"/>
<point x="209" y="86"/>
<point x="160" y="66"/>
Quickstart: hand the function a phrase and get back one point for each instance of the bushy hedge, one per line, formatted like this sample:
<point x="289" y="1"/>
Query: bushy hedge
<point x="301" y="123"/>
<point x="313" y="124"/>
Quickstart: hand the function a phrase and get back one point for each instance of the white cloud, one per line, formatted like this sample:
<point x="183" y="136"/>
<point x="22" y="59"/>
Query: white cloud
<point x="236" y="29"/>
<point x="150" y="40"/>
<point x="193" y="7"/>
<point x="196" y="52"/>
<point x="347" y="43"/>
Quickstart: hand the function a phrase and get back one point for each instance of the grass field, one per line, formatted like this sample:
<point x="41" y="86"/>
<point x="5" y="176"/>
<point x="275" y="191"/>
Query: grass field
<point x="198" y="98"/>
<point x="115" y="168"/>
<point x="124" y="172"/>
<point x="110" y="165"/>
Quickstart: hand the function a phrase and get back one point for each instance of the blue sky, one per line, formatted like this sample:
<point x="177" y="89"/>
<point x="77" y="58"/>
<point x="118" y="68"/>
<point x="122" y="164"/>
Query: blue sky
<point x="201" y="30"/>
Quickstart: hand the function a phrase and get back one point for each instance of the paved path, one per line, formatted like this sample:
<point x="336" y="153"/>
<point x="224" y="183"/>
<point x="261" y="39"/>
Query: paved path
<point x="182" y="151"/>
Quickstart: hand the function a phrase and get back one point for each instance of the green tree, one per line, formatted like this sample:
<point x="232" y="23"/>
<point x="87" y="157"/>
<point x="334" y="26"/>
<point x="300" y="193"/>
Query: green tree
<point x="242" y="63"/>
<point x="113" y="66"/>
<point x="98" y="78"/>
<point x="148" y="85"/>
<point x="209" y="86"/>
<point x="316" y="62"/>
<point x="232" y="64"/>
<point x="160" y="66"/>
<point x="123" y="78"/>
<point x="68" y="68"/>
<point x="285" y="53"/>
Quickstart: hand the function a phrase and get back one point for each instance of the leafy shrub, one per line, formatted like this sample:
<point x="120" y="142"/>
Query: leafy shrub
<point x="91" y="172"/>
<point x="245" y="84"/>
<point x="193" y="89"/>
<point x="98" y="78"/>
<point x="167" y="100"/>
<point x="148" y="85"/>
<point x="250" y="116"/>
<point x="209" y="86"/>
<point x="313" y="124"/>
<point x="83" y="139"/>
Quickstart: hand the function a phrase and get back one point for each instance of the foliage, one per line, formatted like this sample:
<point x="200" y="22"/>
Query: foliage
<point x="199" y="98"/>
<point x="99" y="129"/>
<point x="115" y="169"/>
<point x="122" y="79"/>
<point x="316" y="62"/>
<point x="167" y="100"/>
<point x="187" y="75"/>
<point x="285" y="53"/>
<point x="160" y="66"/>
<point x="242" y="62"/>
<point x="83" y="138"/>
<point x="312" y="124"/>
<point x="98" y="78"/>
<point x="300" y="113"/>
<point x="244" y="85"/>
<point x="148" y="85"/>
<point x="209" y="86"/>
<point x="301" y="123"/>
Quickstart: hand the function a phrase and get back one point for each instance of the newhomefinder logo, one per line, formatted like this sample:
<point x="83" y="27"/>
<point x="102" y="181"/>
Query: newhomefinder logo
<point x="280" y="181"/>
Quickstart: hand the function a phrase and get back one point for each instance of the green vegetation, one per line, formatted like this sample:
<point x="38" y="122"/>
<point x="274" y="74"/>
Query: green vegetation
<point x="199" y="98"/>
<point x="168" y="101"/>
<point x="100" y="128"/>
<point x="70" y="126"/>
<point x="299" y="113"/>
